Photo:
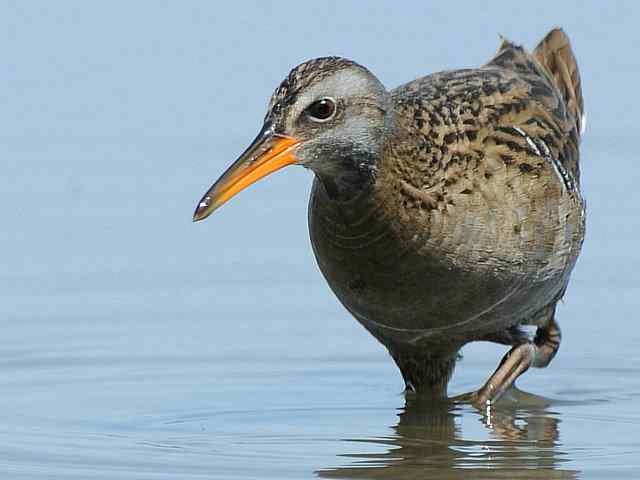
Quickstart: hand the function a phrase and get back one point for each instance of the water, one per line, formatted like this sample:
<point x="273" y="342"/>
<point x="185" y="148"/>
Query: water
<point x="137" y="345"/>
<point x="152" y="356"/>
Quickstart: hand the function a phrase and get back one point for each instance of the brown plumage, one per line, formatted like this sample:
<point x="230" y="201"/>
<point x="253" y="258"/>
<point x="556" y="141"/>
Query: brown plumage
<point x="445" y="211"/>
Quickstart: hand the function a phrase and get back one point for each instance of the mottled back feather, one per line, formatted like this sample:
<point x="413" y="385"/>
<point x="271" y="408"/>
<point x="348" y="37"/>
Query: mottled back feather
<point x="552" y="72"/>
<point x="555" y="55"/>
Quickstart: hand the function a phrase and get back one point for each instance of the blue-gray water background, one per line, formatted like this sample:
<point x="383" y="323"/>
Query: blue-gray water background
<point x="138" y="345"/>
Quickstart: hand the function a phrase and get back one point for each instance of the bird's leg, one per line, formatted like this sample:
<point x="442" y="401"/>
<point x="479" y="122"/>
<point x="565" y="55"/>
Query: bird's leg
<point x="537" y="353"/>
<point x="424" y="373"/>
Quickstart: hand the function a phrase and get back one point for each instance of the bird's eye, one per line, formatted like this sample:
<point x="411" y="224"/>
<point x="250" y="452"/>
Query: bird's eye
<point x="322" y="110"/>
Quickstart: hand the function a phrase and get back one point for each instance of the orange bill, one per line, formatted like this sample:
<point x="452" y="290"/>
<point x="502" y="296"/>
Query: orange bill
<point x="266" y="154"/>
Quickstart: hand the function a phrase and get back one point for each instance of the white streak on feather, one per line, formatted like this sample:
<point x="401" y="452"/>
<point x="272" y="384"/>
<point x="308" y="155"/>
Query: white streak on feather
<point x="529" y="140"/>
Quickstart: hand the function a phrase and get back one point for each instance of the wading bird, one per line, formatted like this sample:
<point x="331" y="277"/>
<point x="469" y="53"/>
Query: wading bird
<point x="445" y="211"/>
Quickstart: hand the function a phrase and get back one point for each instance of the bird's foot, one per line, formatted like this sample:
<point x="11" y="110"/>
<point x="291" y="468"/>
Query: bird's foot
<point x="537" y="353"/>
<point x="513" y="364"/>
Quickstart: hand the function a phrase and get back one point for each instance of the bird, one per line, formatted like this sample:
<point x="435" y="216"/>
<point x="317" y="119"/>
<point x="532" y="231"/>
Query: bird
<point x="444" y="211"/>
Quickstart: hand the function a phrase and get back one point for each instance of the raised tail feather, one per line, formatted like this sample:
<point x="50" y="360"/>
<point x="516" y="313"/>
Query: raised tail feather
<point x="555" y="55"/>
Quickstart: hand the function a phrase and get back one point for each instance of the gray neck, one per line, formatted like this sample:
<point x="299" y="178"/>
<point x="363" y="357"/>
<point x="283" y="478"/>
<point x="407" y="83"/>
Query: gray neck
<point x="353" y="178"/>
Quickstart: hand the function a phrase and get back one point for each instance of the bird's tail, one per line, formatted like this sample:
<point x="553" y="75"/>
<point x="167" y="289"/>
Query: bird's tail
<point x="555" y="55"/>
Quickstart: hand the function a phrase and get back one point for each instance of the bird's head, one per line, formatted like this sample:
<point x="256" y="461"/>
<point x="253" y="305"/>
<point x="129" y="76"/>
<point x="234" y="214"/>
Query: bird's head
<point x="330" y="115"/>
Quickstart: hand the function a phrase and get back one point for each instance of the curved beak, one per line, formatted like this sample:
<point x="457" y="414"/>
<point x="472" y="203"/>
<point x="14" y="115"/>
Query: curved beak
<point x="266" y="154"/>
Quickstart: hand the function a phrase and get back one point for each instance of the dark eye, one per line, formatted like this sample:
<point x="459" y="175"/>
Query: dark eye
<point x="322" y="110"/>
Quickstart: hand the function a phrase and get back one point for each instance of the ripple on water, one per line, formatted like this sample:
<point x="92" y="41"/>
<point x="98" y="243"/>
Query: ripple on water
<point x="90" y="415"/>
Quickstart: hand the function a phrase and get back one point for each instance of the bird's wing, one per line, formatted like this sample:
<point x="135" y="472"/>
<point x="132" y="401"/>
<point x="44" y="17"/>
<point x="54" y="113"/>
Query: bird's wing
<point x="554" y="79"/>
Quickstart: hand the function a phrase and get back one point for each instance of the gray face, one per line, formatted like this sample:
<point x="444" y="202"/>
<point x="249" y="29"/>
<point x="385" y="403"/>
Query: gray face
<point x="330" y="115"/>
<point x="359" y="114"/>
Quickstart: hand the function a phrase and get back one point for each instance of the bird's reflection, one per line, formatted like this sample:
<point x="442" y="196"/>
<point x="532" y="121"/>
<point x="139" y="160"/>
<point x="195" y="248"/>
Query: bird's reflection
<point x="445" y="439"/>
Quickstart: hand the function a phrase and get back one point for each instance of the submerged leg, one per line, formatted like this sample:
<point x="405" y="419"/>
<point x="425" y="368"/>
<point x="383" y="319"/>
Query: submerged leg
<point x="537" y="353"/>
<point x="424" y="373"/>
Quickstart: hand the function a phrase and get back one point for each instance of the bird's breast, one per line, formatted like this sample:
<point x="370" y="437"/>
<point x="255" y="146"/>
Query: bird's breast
<point x="397" y="279"/>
